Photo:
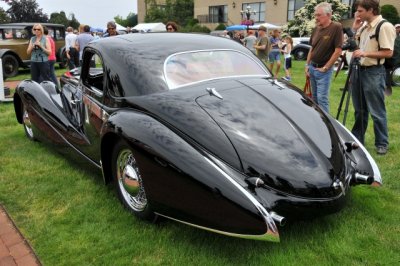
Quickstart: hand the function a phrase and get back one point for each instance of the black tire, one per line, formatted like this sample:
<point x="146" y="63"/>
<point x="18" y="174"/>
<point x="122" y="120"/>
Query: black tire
<point x="129" y="183"/>
<point x="301" y="54"/>
<point x="26" y="122"/>
<point x="10" y="66"/>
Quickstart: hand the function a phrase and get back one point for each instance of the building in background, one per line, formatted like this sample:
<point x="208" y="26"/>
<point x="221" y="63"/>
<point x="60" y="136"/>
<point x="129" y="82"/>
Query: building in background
<point x="210" y="13"/>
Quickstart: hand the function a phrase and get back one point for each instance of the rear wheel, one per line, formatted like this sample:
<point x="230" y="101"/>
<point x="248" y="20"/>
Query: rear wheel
<point x="129" y="182"/>
<point x="10" y="66"/>
<point x="300" y="54"/>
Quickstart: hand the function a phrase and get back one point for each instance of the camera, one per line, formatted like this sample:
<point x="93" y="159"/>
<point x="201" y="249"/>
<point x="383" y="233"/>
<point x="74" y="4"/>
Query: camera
<point x="351" y="43"/>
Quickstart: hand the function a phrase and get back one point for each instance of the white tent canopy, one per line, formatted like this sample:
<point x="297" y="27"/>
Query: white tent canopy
<point x="269" y="26"/>
<point x="120" y="27"/>
<point x="150" y="27"/>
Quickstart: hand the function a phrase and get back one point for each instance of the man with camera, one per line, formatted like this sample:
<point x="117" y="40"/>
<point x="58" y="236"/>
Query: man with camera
<point x="369" y="98"/>
<point x="326" y="46"/>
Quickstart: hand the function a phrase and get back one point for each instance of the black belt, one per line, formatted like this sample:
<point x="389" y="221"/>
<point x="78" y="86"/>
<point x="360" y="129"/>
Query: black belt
<point x="317" y="65"/>
<point x="368" y="67"/>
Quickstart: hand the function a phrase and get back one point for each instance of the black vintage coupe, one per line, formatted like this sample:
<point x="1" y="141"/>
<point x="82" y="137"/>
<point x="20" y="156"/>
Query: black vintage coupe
<point x="194" y="128"/>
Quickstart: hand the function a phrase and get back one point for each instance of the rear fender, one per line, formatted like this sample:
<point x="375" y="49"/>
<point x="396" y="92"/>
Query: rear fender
<point x="364" y="163"/>
<point x="184" y="183"/>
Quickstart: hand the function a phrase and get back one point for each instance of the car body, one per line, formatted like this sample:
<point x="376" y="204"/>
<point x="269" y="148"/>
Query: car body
<point x="14" y="41"/>
<point x="301" y="47"/>
<point x="204" y="136"/>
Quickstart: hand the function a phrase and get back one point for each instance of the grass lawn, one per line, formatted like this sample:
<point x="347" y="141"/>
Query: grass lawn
<point x="71" y="218"/>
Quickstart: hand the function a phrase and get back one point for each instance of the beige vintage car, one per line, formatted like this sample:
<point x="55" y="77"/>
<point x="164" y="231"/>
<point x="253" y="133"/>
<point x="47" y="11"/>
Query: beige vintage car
<point x="14" y="40"/>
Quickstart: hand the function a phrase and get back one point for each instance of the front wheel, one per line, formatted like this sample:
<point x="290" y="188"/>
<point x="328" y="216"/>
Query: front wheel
<point x="396" y="76"/>
<point x="129" y="182"/>
<point x="26" y="121"/>
<point x="10" y="66"/>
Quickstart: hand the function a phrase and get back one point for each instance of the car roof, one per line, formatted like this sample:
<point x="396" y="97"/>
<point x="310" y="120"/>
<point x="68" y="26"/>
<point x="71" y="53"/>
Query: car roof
<point x="137" y="59"/>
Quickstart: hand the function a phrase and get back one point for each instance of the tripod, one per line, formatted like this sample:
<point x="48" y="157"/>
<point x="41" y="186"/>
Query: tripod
<point x="352" y="82"/>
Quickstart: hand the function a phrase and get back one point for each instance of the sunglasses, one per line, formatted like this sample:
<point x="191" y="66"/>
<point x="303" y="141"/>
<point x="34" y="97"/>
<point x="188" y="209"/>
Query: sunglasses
<point x="111" y="28"/>
<point x="170" y="28"/>
<point x="37" y="29"/>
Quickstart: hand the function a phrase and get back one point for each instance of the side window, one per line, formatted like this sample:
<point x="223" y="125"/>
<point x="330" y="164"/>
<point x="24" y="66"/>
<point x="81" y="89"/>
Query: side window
<point x="8" y="33"/>
<point x="21" y="34"/>
<point x="95" y="76"/>
<point x="59" y="34"/>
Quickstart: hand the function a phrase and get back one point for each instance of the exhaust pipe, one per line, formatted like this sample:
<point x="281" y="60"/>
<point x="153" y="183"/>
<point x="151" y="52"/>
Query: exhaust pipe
<point x="362" y="179"/>
<point x="278" y="219"/>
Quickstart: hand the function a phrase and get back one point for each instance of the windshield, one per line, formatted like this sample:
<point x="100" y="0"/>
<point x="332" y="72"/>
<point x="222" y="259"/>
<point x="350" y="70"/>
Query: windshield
<point x="185" y="68"/>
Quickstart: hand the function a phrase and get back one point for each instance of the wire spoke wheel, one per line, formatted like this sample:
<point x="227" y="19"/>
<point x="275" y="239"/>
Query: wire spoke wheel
<point x="130" y="182"/>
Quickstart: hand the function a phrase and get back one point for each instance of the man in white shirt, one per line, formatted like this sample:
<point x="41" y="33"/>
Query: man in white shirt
<point x="70" y="49"/>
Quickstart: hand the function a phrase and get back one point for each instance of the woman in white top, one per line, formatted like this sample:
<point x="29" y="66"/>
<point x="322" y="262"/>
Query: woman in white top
<point x="288" y="59"/>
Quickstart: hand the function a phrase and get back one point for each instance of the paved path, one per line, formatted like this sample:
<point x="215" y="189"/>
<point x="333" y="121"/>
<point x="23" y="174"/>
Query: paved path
<point x="14" y="249"/>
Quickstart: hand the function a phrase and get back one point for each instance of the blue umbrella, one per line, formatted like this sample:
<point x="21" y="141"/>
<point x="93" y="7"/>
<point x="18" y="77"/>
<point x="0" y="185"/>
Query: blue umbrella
<point x="236" y="27"/>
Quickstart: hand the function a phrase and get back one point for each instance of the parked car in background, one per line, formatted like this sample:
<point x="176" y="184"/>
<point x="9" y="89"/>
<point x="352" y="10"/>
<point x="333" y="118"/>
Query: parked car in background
<point x="14" y="40"/>
<point x="301" y="47"/>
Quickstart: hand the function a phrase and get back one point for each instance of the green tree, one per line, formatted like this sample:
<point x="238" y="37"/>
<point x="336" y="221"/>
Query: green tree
<point x="26" y="11"/>
<point x="59" y="18"/>
<point x="389" y="12"/>
<point x="180" y="11"/>
<point x="155" y="12"/>
<point x="304" y="21"/>
<point x="72" y="21"/>
<point x="130" y="21"/>
<point x="4" y="18"/>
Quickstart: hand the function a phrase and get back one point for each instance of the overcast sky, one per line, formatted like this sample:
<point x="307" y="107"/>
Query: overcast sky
<point x="95" y="13"/>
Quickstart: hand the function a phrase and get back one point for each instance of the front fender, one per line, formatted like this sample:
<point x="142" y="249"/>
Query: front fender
<point x="183" y="183"/>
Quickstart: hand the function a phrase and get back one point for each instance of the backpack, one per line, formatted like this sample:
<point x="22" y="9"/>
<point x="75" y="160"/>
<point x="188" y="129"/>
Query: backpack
<point x="389" y="62"/>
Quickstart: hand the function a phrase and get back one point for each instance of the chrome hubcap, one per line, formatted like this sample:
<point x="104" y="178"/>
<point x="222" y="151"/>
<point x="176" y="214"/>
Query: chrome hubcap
<point x="130" y="182"/>
<point x="27" y="124"/>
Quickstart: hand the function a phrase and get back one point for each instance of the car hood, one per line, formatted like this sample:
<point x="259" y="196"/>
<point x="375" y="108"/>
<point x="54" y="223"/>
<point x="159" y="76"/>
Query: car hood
<point x="261" y="127"/>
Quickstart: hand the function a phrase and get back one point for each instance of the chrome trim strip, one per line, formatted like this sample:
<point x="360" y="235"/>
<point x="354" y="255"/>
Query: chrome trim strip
<point x="272" y="228"/>
<point x="268" y="236"/>
<point x="377" y="173"/>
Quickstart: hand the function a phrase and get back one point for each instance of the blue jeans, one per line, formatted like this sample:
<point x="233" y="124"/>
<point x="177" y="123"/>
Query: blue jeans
<point x="52" y="72"/>
<point x="320" y="85"/>
<point x="40" y="71"/>
<point x="370" y="99"/>
<point x="274" y="55"/>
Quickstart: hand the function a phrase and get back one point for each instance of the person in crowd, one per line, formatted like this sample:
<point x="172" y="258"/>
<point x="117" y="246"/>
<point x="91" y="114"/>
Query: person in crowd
<point x="171" y="26"/>
<point x="397" y="26"/>
<point x="370" y="98"/>
<point x="70" y="50"/>
<point x="226" y="34"/>
<point x="39" y="48"/>
<point x="326" y="46"/>
<point x="262" y="44"/>
<point x="250" y="40"/>
<point x="82" y="40"/>
<point x="128" y="30"/>
<point x="274" y="55"/>
<point x="237" y="36"/>
<point x="287" y="49"/>
<point x="111" y="29"/>
<point x="52" y="57"/>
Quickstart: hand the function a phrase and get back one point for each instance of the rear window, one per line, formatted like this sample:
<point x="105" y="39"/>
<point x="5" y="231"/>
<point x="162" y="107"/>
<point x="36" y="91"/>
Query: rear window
<point x="190" y="67"/>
